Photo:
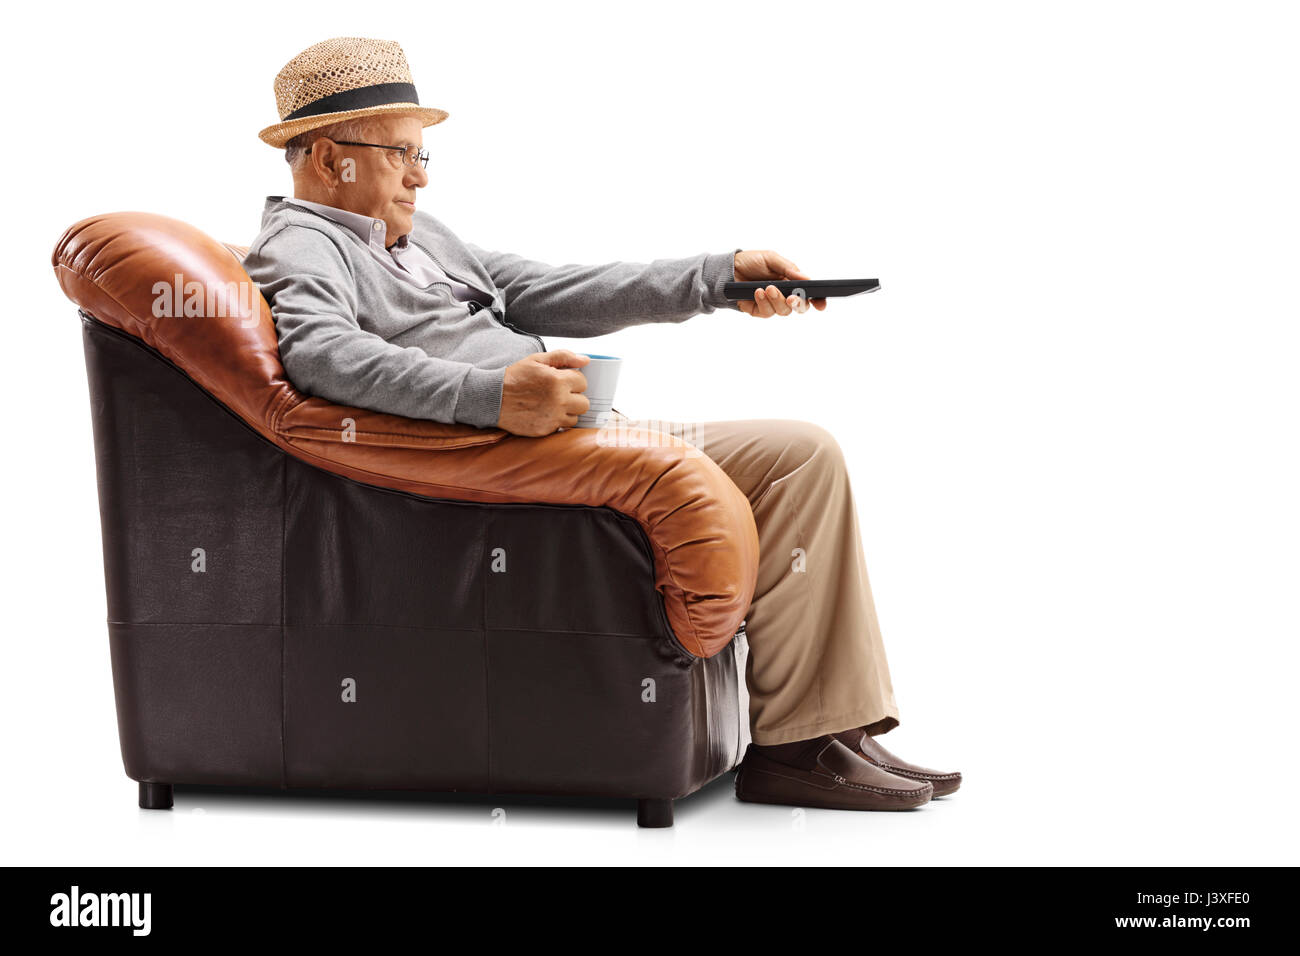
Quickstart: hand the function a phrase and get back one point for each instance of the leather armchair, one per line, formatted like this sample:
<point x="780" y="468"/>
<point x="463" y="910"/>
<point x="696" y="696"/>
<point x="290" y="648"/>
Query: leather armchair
<point x="302" y="594"/>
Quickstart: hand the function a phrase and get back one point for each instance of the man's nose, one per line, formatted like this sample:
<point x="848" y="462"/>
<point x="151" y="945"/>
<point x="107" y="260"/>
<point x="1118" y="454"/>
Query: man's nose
<point x="417" y="176"/>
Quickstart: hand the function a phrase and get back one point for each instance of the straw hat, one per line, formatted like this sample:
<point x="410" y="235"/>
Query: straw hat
<point x="343" y="79"/>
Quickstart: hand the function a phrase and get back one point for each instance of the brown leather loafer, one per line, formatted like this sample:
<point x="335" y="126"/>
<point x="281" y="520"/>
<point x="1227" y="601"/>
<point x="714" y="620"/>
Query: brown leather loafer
<point x="869" y="750"/>
<point x="839" y="780"/>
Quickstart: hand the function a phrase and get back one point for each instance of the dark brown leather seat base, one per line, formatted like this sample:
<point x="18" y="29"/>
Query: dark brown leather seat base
<point x="274" y="624"/>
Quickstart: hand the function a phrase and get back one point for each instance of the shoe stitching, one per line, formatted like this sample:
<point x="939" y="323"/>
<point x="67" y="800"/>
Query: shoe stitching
<point x="917" y="774"/>
<point x="846" y="783"/>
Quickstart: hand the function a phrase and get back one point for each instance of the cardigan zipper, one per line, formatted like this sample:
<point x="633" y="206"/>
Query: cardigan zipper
<point x="541" y="346"/>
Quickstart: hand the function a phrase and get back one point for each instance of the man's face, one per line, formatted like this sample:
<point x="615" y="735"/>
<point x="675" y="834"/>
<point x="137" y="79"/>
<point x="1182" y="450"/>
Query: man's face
<point x="376" y="182"/>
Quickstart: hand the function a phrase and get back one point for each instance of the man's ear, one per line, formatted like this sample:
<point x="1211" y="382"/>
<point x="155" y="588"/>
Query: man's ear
<point x="324" y="159"/>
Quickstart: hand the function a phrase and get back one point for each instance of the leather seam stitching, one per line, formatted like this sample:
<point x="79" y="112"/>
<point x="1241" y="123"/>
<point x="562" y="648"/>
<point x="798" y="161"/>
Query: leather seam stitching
<point x="277" y="411"/>
<point x="371" y="625"/>
<point x="426" y="441"/>
<point x="284" y="703"/>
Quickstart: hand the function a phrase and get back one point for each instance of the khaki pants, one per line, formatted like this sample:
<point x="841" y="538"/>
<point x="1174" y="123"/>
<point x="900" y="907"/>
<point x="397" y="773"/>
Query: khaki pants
<point x="816" y="657"/>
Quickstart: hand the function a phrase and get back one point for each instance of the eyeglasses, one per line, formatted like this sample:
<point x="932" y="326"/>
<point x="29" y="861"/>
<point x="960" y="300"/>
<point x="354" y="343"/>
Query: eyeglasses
<point x="411" y="154"/>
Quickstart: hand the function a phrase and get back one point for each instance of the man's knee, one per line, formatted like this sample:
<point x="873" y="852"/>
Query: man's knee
<point x="810" y="441"/>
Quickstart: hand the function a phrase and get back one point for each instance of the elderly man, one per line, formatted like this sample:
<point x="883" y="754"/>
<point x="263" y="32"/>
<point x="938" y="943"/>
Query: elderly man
<point x="380" y="306"/>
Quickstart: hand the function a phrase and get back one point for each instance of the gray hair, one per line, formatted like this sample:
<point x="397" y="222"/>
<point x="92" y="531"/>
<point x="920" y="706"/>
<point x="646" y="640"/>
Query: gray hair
<point x="295" y="151"/>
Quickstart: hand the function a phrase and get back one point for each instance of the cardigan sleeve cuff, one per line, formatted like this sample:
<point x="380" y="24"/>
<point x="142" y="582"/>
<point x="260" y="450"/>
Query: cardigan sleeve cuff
<point x="719" y="269"/>
<point x="479" y="402"/>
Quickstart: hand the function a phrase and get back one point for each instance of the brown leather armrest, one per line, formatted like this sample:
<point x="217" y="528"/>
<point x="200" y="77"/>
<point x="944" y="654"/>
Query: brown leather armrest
<point x="318" y="418"/>
<point x="118" y="267"/>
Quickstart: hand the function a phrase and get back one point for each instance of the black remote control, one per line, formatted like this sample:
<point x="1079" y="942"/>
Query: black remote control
<point x="812" y="288"/>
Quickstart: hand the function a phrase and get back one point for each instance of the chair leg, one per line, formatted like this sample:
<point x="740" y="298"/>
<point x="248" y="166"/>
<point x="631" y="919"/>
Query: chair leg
<point x="155" y="796"/>
<point x="654" y="813"/>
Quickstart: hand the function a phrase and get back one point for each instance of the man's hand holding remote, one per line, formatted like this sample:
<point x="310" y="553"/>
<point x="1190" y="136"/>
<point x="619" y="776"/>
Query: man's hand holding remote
<point x="753" y="265"/>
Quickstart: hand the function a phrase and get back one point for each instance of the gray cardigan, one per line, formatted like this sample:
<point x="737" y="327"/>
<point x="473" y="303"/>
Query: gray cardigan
<point x="353" y="333"/>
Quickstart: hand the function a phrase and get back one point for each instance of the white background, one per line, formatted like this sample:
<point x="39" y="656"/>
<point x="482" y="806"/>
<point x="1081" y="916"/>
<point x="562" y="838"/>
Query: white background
<point x="1070" y="413"/>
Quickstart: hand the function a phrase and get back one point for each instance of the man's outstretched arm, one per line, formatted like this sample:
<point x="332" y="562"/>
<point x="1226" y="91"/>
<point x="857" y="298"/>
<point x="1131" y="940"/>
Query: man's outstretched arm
<point x="585" y="300"/>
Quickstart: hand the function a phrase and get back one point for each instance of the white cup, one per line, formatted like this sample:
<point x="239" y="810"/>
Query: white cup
<point x="602" y="378"/>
